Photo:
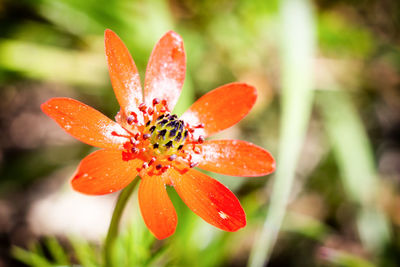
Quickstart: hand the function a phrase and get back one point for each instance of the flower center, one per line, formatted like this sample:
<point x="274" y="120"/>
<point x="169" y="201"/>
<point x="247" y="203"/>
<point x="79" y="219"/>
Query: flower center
<point x="168" y="134"/>
<point x="160" y="138"/>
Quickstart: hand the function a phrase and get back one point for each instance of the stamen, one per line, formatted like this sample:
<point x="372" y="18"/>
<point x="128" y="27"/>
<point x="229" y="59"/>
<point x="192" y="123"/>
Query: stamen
<point x="146" y="136"/>
<point x="148" y="123"/>
<point x="193" y="164"/>
<point x="145" y="165"/>
<point x="153" y="159"/>
<point x="169" y="144"/>
<point x="142" y="107"/>
<point x="180" y="147"/>
<point x="160" y="117"/>
<point x="155" y="146"/>
<point x="165" y="168"/>
<point x="201" y="139"/>
<point x="158" y="167"/>
<point x="162" y="133"/>
<point x="152" y="128"/>
<point x="131" y="120"/>
<point x="156" y="101"/>
<point x="172" y="157"/>
<point x="201" y="125"/>
<point x="114" y="133"/>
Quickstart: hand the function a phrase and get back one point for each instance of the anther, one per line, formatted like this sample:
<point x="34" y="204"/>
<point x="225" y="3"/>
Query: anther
<point x="193" y="164"/>
<point x="150" y="111"/>
<point x="155" y="146"/>
<point x="153" y="159"/>
<point x="172" y="157"/>
<point x="148" y="123"/>
<point x="156" y="101"/>
<point x="161" y="117"/>
<point x="145" y="165"/>
<point x="165" y="168"/>
<point x="178" y="137"/>
<point x="131" y="120"/>
<point x="152" y="128"/>
<point x="169" y="144"/>
<point x="162" y="133"/>
<point x="134" y="150"/>
<point x="146" y="136"/>
<point x="172" y="133"/>
<point x="163" y="122"/>
<point x="201" y="139"/>
<point x="180" y="147"/>
<point x="158" y="166"/>
<point x="142" y="107"/>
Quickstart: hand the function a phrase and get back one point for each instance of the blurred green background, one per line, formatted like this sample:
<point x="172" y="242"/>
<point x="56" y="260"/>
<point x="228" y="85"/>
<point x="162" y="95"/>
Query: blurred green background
<point x="328" y="78"/>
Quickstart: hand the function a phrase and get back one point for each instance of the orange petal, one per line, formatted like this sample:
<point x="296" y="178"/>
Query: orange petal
<point x="221" y="108"/>
<point x="234" y="157"/>
<point x="157" y="210"/>
<point x="123" y="73"/>
<point x="85" y="123"/>
<point x="104" y="172"/>
<point x="166" y="70"/>
<point x="209" y="199"/>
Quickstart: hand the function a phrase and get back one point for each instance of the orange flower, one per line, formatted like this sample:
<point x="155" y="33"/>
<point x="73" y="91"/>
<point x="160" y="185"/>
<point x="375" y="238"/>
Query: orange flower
<point x="147" y="140"/>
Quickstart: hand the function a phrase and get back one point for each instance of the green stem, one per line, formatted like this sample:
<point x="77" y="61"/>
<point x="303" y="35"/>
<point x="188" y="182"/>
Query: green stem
<point x="116" y="218"/>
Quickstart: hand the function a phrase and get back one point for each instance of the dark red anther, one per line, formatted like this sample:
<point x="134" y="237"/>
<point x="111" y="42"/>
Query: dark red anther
<point x="158" y="167"/>
<point x="134" y="150"/>
<point x="137" y="135"/>
<point x="132" y="140"/>
<point x="156" y="101"/>
<point x="130" y="120"/>
<point x="193" y="164"/>
<point x="201" y="139"/>
<point x="165" y="168"/>
<point x="145" y="165"/>
<point x="201" y="125"/>
<point x="146" y="136"/>
<point x="142" y="107"/>
<point x="153" y="159"/>
<point x="172" y="157"/>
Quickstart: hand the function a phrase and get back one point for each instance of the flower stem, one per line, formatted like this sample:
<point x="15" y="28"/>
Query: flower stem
<point x="116" y="218"/>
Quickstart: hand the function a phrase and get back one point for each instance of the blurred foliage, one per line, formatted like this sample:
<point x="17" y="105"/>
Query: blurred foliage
<point x="55" y="48"/>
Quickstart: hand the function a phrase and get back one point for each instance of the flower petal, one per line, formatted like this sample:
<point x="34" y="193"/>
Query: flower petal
<point x="85" y="123"/>
<point x="165" y="71"/>
<point x="234" y="157"/>
<point x="104" y="172"/>
<point x="123" y="73"/>
<point x="221" y="108"/>
<point x="157" y="210"/>
<point x="209" y="199"/>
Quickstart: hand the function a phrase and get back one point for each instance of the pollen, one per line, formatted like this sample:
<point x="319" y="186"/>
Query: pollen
<point x="160" y="138"/>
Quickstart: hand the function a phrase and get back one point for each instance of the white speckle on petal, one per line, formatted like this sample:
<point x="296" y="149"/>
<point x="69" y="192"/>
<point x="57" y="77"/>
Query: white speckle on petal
<point x="223" y="215"/>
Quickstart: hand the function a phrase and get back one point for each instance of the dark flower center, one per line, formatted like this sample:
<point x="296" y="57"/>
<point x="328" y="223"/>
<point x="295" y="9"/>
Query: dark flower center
<point x="167" y="133"/>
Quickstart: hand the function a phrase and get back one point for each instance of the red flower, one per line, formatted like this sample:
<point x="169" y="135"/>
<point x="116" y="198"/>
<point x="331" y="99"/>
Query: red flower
<point x="148" y="141"/>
